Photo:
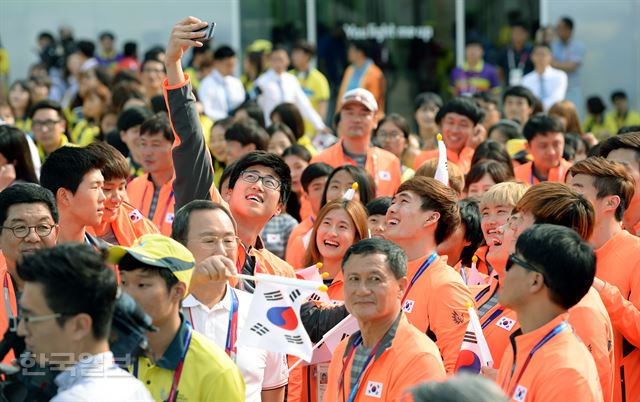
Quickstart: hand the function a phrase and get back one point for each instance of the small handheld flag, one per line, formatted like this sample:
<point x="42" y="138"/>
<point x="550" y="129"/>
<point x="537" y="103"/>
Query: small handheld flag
<point x="475" y="277"/>
<point x="442" y="171"/>
<point x="350" y="193"/>
<point x="474" y="352"/>
<point x="313" y="274"/>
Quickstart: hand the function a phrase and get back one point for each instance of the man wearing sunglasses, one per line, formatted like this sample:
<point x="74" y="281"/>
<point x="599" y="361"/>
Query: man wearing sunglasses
<point x="550" y="271"/>
<point x="29" y="220"/>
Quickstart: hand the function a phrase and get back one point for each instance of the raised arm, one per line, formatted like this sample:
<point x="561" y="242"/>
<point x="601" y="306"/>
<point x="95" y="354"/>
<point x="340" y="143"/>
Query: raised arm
<point x="191" y="159"/>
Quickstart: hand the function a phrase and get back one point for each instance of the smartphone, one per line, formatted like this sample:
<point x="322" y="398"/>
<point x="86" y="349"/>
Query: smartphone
<point x="208" y="30"/>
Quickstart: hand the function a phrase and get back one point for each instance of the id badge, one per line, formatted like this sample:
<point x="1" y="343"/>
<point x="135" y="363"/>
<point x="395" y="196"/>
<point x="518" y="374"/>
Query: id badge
<point x="322" y="379"/>
<point x="515" y="76"/>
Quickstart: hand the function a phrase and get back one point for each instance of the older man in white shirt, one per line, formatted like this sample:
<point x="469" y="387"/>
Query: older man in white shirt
<point x="278" y="86"/>
<point x="217" y="310"/>
<point x="547" y="83"/>
<point x="220" y="92"/>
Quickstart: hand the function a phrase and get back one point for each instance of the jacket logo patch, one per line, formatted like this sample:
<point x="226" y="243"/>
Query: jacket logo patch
<point x="384" y="175"/>
<point x="273" y="237"/>
<point x="135" y="216"/>
<point x="374" y="389"/>
<point x="506" y="323"/>
<point x="457" y="317"/>
<point x="520" y="394"/>
<point x="169" y="218"/>
<point x="407" y="306"/>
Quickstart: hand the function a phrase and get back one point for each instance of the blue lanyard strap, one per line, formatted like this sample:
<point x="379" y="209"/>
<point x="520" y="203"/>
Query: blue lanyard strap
<point x="354" y="392"/>
<point x="555" y="331"/>
<point x="232" y="330"/>
<point x="421" y="271"/>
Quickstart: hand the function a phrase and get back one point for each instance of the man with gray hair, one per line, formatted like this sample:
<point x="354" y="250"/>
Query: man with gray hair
<point x="388" y="354"/>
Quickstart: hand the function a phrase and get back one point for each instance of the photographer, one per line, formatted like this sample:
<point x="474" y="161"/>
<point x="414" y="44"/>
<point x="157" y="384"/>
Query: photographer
<point x="67" y="306"/>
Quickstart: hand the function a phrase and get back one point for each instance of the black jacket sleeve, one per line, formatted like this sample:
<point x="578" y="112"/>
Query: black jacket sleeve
<point x="318" y="321"/>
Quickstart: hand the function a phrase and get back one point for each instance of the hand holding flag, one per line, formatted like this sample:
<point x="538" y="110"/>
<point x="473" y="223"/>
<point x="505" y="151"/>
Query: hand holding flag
<point x="474" y="352"/>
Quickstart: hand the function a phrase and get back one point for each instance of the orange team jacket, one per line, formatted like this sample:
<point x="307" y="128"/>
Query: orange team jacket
<point x="296" y="247"/>
<point x="618" y="264"/>
<point x="462" y="160"/>
<point x="383" y="166"/>
<point x="560" y="370"/>
<point x="129" y="225"/>
<point x="372" y="80"/>
<point x="588" y="318"/>
<point x="437" y="305"/>
<point x="140" y="192"/>
<point x="556" y="174"/>
<point x="12" y="305"/>
<point x="305" y="208"/>
<point x="303" y="379"/>
<point x="266" y="262"/>
<point x="410" y="359"/>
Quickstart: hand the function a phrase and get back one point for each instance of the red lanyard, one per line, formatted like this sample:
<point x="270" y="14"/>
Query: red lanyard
<point x="421" y="271"/>
<point x="555" y="331"/>
<point x="173" y="393"/>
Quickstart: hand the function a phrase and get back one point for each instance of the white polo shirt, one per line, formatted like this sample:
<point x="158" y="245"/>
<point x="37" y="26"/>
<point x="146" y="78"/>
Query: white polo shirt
<point x="220" y="95"/>
<point x="262" y="370"/>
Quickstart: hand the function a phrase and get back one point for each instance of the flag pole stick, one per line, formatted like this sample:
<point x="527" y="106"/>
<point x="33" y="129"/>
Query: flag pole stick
<point x="291" y="282"/>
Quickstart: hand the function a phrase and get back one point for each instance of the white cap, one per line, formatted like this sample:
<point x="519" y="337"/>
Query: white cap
<point x="362" y="96"/>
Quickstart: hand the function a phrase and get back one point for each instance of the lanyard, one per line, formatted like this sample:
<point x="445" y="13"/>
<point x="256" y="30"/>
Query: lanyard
<point x="173" y="393"/>
<point x="7" y="301"/>
<point x="555" y="331"/>
<point x="492" y="317"/>
<point x="421" y="271"/>
<point x="512" y="61"/>
<point x="356" y="343"/>
<point x="163" y="217"/>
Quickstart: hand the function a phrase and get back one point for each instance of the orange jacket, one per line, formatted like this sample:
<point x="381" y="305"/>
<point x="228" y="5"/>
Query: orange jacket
<point x="463" y="159"/>
<point x="305" y="208"/>
<point x="373" y="81"/>
<point x="383" y="166"/>
<point x="618" y="264"/>
<point x="13" y="305"/>
<point x="556" y="174"/>
<point x="140" y="192"/>
<point x="129" y="225"/>
<point x="296" y="249"/>
<point x="266" y="261"/>
<point x="410" y="359"/>
<point x="437" y="305"/>
<point x="560" y="370"/>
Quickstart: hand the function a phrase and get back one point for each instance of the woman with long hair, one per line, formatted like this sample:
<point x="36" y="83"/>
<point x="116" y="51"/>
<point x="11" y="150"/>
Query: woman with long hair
<point x="16" y="164"/>
<point x="341" y="180"/>
<point x="20" y="102"/>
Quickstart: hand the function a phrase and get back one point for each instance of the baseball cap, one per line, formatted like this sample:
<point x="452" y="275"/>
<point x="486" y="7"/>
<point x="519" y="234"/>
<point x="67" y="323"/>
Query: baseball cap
<point x="159" y="251"/>
<point x="361" y="96"/>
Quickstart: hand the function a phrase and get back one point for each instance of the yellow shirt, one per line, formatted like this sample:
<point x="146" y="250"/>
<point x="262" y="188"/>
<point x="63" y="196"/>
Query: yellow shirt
<point x="208" y="373"/>
<point x="612" y="120"/>
<point x="84" y="134"/>
<point x="316" y="87"/>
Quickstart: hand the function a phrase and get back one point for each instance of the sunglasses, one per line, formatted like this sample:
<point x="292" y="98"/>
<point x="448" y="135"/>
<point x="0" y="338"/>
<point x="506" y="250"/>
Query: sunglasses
<point x="514" y="259"/>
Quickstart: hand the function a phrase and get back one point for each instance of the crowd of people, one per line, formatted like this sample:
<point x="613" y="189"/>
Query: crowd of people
<point x="164" y="180"/>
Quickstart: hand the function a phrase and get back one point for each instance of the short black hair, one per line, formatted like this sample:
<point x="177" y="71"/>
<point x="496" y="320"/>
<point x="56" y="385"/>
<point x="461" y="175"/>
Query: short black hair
<point x="426" y="98"/>
<point x="224" y="52"/>
<point x="378" y="206"/>
<point x="366" y="183"/>
<point x="46" y="35"/>
<point x="253" y="110"/>
<point x="132" y="117"/>
<point x="180" y="226"/>
<point x="541" y="44"/>
<point x="362" y="46"/>
<point x="306" y="47"/>
<point x="568" y="21"/>
<point x="297" y="150"/>
<point x="158" y="123"/>
<point x="541" y="123"/>
<point x="568" y="262"/>
<point x="152" y="59"/>
<point x="248" y="131"/>
<point x="628" y="129"/>
<point x="312" y="172"/>
<point x="107" y="34"/>
<point x="226" y="174"/>
<point x="66" y="167"/>
<point x="129" y="263"/>
<point x="621" y="141"/>
<point x="509" y="128"/>
<point x="86" y="47"/>
<point x="396" y="257"/>
<point x="519" y="23"/>
<point x="114" y="164"/>
<point x="463" y="106"/>
<point x="493" y="150"/>
<point x="26" y="193"/>
<point x="130" y="49"/>
<point x="266" y="159"/>
<point x="46" y="104"/>
<point x="75" y="279"/>
<point x="470" y="218"/>
<point x="595" y="105"/>
<point x="618" y="94"/>
<point x="519" y="91"/>
<point x="486" y="97"/>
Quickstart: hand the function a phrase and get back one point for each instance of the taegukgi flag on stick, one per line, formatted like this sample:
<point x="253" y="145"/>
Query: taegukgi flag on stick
<point x="474" y="352"/>
<point x="274" y="323"/>
<point x="313" y="274"/>
<point x="442" y="171"/>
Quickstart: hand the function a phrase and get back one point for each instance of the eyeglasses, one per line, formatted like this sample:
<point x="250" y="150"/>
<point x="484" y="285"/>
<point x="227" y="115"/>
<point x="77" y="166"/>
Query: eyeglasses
<point x="34" y="319"/>
<point x="389" y="135"/>
<point x="514" y="259"/>
<point x="22" y="231"/>
<point x="227" y="242"/>
<point x="50" y="124"/>
<point x="153" y="70"/>
<point x="252" y="177"/>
